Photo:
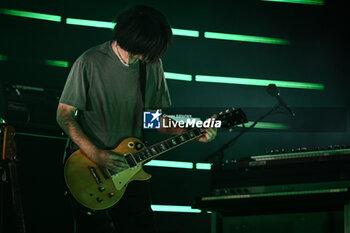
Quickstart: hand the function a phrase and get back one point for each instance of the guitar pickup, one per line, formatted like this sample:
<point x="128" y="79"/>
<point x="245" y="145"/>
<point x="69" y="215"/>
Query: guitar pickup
<point x="130" y="160"/>
<point x="95" y="175"/>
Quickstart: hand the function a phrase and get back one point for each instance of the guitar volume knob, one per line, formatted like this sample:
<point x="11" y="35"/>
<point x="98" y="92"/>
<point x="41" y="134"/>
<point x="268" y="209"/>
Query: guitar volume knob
<point x="111" y="195"/>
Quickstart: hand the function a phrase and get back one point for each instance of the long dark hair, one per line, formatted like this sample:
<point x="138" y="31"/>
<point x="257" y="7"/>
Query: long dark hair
<point x="143" y="30"/>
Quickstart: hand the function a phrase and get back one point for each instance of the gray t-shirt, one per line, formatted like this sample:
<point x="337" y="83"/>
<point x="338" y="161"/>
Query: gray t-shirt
<point x="107" y="95"/>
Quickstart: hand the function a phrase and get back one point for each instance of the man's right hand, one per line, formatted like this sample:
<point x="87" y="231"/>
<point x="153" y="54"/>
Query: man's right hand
<point x="111" y="160"/>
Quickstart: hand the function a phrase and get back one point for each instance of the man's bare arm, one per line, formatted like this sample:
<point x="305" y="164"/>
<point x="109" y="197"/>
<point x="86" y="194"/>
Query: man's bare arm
<point x="66" y="119"/>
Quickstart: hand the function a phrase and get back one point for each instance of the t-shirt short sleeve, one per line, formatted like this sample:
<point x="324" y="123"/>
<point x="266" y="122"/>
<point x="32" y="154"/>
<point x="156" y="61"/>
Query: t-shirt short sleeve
<point x="161" y="97"/>
<point x="77" y="86"/>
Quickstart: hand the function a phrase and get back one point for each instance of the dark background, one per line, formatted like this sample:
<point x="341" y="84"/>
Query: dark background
<point x="317" y="53"/>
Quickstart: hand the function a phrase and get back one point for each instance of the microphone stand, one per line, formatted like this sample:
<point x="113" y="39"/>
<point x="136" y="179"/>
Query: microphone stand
<point x="220" y="152"/>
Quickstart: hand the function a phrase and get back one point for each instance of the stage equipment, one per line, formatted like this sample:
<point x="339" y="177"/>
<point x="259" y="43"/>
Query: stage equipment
<point x="10" y="184"/>
<point x="301" y="180"/>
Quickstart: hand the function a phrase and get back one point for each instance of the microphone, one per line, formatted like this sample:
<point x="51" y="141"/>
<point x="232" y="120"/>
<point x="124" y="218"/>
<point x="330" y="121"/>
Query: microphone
<point x="273" y="91"/>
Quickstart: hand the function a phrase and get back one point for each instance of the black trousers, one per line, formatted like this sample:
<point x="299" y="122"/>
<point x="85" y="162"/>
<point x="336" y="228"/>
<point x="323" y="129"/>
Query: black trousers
<point x="131" y="214"/>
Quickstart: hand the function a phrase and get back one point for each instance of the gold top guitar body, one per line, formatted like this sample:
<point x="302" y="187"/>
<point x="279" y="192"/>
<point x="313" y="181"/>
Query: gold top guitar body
<point x="98" y="188"/>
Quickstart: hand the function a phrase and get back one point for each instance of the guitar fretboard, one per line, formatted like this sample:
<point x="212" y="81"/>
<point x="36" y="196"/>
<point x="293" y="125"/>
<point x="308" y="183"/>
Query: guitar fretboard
<point x="166" y="145"/>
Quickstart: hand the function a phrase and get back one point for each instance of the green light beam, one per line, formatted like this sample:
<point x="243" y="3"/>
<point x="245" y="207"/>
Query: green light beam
<point x="64" y="64"/>
<point x="110" y="25"/>
<point x="177" y="76"/>
<point x="310" y="2"/>
<point x="203" y="166"/>
<point x="171" y="164"/>
<point x="245" y="38"/>
<point x="90" y="23"/>
<point x="185" y="32"/>
<point x="267" y="125"/>
<point x="41" y="136"/>
<point x="174" y="208"/>
<point x="258" y="82"/>
<point x="3" y="57"/>
<point x="32" y="15"/>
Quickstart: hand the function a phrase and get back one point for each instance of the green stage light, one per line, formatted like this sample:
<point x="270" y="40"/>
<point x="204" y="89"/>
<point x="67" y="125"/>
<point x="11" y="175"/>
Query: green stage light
<point x="64" y="64"/>
<point x="3" y="57"/>
<point x="41" y="136"/>
<point x="90" y="23"/>
<point x="257" y="82"/>
<point x="177" y="76"/>
<point x="171" y="164"/>
<point x="310" y="2"/>
<point x="32" y="15"/>
<point x="267" y="125"/>
<point x="203" y="166"/>
<point x="174" y="208"/>
<point x="185" y="32"/>
<point x="245" y="38"/>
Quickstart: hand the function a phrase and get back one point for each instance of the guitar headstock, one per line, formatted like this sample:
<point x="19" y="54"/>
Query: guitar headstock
<point x="232" y="117"/>
<point x="8" y="142"/>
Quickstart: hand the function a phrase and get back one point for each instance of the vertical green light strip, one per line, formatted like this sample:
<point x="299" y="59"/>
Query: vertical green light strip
<point x="185" y="32"/>
<point x="32" y="15"/>
<point x="177" y="76"/>
<point x="64" y="64"/>
<point x="174" y="208"/>
<point x="3" y="57"/>
<point x="90" y="23"/>
<point x="245" y="38"/>
<point x="170" y="164"/>
<point x="258" y="82"/>
<point x="310" y="2"/>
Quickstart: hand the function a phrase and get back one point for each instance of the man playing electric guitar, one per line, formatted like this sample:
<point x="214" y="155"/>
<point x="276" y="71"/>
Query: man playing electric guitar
<point x="102" y="102"/>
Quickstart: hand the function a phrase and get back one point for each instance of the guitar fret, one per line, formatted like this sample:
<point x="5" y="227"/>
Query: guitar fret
<point x="182" y="138"/>
<point x="153" y="150"/>
<point x="148" y="154"/>
<point x="191" y="134"/>
<point x="173" y="142"/>
<point x="197" y="132"/>
<point x="137" y="157"/>
<point x="143" y="155"/>
<point x="159" y="149"/>
<point x="186" y="136"/>
<point x="163" y="147"/>
<point x="169" y="144"/>
<point x="178" y="140"/>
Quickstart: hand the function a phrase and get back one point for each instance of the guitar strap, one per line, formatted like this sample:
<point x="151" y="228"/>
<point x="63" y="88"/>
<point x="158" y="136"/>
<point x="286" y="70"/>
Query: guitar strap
<point x="141" y="88"/>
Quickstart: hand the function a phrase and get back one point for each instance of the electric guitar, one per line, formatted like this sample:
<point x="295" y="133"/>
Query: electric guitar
<point x="99" y="188"/>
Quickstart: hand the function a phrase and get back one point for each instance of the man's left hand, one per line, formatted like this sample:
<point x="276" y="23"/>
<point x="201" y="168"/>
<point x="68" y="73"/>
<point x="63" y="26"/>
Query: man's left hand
<point x="210" y="133"/>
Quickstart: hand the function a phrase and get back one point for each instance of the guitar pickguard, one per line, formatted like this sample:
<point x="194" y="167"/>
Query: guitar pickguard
<point x="122" y="178"/>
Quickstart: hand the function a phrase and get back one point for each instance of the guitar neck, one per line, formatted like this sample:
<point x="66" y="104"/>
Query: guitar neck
<point x="155" y="150"/>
